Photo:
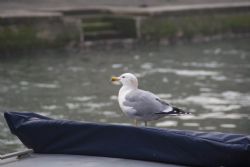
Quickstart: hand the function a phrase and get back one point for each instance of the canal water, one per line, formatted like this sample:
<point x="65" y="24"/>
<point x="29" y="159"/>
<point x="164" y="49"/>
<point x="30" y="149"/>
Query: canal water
<point x="210" y="80"/>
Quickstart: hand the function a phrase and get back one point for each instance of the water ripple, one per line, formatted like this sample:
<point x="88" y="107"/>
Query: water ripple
<point x="46" y="85"/>
<point x="83" y="98"/>
<point x="166" y="123"/>
<point x="181" y="72"/>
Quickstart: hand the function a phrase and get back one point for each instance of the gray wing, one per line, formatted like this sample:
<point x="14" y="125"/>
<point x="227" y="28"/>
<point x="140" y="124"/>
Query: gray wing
<point x="146" y="103"/>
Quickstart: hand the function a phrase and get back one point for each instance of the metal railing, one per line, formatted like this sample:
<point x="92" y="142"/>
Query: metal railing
<point x="18" y="154"/>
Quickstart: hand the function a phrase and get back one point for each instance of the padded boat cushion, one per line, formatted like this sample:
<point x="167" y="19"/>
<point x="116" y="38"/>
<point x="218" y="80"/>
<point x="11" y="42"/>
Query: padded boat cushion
<point x="52" y="136"/>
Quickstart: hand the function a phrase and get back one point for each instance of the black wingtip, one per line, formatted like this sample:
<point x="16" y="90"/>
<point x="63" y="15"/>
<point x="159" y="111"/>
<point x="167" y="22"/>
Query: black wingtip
<point x="175" y="111"/>
<point x="178" y="111"/>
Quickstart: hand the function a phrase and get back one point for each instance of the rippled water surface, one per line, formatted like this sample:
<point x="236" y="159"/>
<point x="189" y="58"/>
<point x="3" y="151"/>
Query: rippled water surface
<point x="211" y="80"/>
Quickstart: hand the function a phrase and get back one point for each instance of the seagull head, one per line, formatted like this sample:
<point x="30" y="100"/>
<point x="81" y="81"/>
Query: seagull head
<point x="127" y="79"/>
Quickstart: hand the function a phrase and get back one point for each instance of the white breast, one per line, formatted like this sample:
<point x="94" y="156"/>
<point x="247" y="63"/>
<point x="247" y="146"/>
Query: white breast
<point x="121" y="99"/>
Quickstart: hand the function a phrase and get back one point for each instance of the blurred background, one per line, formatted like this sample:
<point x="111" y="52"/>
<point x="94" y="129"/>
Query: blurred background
<point x="57" y="57"/>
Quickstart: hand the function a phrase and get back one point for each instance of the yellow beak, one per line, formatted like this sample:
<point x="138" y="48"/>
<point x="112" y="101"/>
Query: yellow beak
<point x="115" y="79"/>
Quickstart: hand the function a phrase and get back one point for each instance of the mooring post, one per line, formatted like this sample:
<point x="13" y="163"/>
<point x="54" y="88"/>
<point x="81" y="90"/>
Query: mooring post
<point x="81" y="31"/>
<point x="138" y="26"/>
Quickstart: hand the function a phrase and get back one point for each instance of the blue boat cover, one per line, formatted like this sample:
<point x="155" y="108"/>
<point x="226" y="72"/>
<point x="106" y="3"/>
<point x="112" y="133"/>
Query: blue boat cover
<point x="51" y="136"/>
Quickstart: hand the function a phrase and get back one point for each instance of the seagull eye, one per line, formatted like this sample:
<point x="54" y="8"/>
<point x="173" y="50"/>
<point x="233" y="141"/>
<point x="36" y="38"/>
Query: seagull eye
<point x="123" y="76"/>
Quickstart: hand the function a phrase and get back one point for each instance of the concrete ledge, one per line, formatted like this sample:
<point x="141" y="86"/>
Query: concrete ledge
<point x="27" y="14"/>
<point x="142" y="11"/>
<point x="149" y="11"/>
<point x="64" y="26"/>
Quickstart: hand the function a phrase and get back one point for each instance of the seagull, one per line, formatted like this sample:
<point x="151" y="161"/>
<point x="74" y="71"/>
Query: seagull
<point x="142" y="105"/>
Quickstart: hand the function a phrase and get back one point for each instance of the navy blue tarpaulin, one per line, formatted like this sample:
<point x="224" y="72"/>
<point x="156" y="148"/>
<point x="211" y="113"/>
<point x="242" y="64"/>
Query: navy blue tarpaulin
<point x="51" y="136"/>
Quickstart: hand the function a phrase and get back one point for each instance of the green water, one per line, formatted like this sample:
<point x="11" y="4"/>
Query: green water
<point x="211" y="80"/>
